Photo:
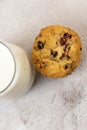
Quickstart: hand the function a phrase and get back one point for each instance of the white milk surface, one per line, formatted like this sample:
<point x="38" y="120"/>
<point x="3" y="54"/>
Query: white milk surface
<point x="7" y="67"/>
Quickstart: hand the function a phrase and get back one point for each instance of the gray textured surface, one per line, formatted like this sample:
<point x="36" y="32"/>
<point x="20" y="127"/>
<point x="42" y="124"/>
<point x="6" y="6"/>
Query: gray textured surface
<point x="58" y="104"/>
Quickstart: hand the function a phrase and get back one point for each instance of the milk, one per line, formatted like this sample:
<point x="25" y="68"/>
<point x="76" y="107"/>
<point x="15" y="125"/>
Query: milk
<point x="16" y="70"/>
<point x="7" y="67"/>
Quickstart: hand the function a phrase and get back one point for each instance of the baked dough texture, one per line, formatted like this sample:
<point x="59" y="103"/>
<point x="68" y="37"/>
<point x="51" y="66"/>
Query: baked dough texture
<point x="57" y="51"/>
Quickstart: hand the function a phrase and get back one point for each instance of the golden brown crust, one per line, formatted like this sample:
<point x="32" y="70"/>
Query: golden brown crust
<point x="57" y="51"/>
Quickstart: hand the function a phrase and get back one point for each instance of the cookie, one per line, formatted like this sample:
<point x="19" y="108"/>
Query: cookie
<point x="57" y="51"/>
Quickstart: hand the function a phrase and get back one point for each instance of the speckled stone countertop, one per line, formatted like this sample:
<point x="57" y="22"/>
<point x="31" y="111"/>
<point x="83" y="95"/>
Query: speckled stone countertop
<point x="51" y="104"/>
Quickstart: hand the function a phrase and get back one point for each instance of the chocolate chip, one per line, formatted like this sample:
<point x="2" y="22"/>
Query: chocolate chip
<point x="62" y="41"/>
<point x="68" y="57"/>
<point x="54" y="53"/>
<point x="66" y="35"/>
<point x="40" y="45"/>
<point x="65" y="47"/>
<point x="63" y="55"/>
<point x="57" y="42"/>
<point x="66" y="66"/>
<point x="81" y="49"/>
<point x="69" y="47"/>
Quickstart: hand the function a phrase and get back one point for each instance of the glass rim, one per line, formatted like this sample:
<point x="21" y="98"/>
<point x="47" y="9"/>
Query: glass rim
<point x="14" y="68"/>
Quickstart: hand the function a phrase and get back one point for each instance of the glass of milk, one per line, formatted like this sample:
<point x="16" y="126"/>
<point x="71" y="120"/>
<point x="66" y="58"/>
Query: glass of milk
<point x="16" y="70"/>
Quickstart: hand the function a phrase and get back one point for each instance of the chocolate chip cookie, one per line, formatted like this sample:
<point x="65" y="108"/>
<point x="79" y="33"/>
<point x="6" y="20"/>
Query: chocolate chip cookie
<point x="57" y="51"/>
